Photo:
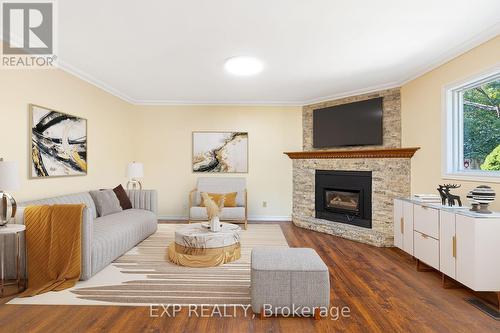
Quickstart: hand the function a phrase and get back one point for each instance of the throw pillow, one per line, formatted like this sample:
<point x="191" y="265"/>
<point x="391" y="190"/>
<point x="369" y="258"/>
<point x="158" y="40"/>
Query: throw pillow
<point x="106" y="202"/>
<point x="229" y="198"/>
<point x="122" y="197"/>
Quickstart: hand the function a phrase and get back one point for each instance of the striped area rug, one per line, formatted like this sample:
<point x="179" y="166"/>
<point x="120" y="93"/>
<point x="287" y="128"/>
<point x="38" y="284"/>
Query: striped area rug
<point x="145" y="276"/>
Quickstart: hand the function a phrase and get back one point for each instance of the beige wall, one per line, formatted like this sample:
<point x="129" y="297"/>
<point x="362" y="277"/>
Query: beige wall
<point x="109" y="122"/>
<point x="164" y="146"/>
<point x="422" y="111"/>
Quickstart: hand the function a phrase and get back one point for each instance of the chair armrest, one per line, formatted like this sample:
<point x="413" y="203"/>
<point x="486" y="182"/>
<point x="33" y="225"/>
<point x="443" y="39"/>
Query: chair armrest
<point x="144" y="199"/>
<point x="191" y="199"/>
<point x="246" y="204"/>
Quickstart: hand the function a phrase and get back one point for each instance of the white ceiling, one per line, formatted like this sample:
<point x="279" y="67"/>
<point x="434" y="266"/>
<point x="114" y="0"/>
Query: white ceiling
<point x="172" y="52"/>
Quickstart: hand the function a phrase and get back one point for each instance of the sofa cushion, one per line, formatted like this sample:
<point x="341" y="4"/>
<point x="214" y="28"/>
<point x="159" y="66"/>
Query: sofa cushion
<point x="228" y="213"/>
<point x="106" y="202"/>
<point x="229" y="198"/>
<point x="123" y="198"/>
<point x="115" y="234"/>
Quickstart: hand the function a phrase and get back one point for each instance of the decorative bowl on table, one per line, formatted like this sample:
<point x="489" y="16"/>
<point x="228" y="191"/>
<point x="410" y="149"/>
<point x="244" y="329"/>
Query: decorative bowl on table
<point x="483" y="195"/>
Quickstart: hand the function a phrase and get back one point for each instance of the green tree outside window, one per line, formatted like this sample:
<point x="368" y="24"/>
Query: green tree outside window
<point x="482" y="126"/>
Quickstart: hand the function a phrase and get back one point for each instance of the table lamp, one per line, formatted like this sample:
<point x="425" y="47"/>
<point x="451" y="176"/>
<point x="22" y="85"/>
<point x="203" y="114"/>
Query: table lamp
<point x="9" y="180"/>
<point x="134" y="170"/>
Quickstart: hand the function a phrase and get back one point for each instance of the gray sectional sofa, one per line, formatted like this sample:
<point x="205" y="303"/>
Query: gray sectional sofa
<point x="106" y="238"/>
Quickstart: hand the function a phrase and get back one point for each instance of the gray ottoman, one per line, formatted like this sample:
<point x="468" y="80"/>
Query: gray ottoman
<point x="288" y="281"/>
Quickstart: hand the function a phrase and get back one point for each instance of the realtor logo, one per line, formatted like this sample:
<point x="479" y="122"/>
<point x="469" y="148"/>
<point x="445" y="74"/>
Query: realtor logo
<point x="28" y="33"/>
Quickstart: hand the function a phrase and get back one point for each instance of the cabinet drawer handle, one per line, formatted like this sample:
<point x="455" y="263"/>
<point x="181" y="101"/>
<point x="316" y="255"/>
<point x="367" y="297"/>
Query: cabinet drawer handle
<point x="402" y="225"/>
<point x="454" y="246"/>
<point x="425" y="236"/>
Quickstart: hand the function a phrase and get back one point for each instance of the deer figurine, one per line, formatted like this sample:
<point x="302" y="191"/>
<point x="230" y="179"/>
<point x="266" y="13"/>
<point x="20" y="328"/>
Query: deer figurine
<point x="451" y="197"/>
<point x="442" y="194"/>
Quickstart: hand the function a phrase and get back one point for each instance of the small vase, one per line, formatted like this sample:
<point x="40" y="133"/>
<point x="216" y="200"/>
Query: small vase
<point x="215" y="224"/>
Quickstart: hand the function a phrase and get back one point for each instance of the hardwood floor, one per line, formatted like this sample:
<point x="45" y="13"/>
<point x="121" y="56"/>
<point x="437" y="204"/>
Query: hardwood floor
<point x="381" y="287"/>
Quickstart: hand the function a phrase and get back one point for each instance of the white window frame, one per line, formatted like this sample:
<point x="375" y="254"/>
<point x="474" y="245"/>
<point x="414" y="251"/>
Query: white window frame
<point x="453" y="140"/>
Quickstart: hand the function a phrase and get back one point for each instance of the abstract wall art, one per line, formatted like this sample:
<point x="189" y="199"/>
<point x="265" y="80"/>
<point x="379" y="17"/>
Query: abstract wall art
<point x="58" y="143"/>
<point x="220" y="152"/>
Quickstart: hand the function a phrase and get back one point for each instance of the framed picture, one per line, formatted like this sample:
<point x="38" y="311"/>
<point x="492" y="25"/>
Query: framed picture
<point x="220" y="152"/>
<point x="58" y="143"/>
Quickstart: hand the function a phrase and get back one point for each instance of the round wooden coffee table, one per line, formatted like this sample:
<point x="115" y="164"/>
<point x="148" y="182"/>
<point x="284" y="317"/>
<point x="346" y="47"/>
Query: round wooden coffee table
<point x="197" y="246"/>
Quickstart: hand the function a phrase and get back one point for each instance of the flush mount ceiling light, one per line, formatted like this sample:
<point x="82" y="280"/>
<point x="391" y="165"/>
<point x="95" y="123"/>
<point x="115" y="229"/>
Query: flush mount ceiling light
<point x="243" y="66"/>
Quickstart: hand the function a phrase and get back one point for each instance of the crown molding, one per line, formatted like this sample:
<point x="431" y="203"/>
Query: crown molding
<point x="92" y="80"/>
<point x="455" y="52"/>
<point x="362" y="91"/>
<point x="216" y="103"/>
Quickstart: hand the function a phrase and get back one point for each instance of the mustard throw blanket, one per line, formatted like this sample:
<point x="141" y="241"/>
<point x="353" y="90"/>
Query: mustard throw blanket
<point x="53" y="241"/>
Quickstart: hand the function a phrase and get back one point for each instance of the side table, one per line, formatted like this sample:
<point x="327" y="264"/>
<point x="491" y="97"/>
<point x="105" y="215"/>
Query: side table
<point x="10" y="229"/>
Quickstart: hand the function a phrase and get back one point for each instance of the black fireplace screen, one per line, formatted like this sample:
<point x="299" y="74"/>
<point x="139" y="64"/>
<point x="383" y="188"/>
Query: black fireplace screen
<point x="342" y="201"/>
<point x="344" y="197"/>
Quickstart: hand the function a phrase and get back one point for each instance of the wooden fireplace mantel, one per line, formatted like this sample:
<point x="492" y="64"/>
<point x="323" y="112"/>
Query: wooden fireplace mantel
<point x="362" y="153"/>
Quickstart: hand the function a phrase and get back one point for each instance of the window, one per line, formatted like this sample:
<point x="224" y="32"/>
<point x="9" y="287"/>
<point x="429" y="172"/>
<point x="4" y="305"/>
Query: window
<point x="473" y="128"/>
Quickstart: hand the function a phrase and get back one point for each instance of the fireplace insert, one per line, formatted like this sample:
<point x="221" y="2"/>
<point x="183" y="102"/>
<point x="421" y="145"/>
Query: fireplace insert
<point x="344" y="196"/>
<point x="344" y="201"/>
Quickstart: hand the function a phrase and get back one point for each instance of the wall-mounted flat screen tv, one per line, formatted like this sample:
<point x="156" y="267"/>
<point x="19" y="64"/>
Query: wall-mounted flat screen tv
<point x="352" y="124"/>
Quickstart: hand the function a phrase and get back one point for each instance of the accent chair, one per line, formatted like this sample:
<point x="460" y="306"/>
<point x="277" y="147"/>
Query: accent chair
<point x="238" y="214"/>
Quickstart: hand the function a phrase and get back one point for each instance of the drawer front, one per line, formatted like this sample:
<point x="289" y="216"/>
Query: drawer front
<point x="426" y="221"/>
<point x="426" y="249"/>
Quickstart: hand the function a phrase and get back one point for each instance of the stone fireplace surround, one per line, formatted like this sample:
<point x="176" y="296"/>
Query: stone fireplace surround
<point x="389" y="164"/>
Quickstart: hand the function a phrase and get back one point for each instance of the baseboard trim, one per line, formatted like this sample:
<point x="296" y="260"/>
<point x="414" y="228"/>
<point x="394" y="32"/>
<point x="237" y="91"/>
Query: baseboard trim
<point x="172" y="218"/>
<point x="250" y="218"/>
<point x="270" y="218"/>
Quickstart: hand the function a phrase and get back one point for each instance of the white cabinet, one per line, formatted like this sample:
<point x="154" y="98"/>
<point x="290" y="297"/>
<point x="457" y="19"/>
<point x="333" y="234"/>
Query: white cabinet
<point x="447" y="243"/>
<point x="478" y="243"/>
<point x="461" y="244"/>
<point x="403" y="225"/>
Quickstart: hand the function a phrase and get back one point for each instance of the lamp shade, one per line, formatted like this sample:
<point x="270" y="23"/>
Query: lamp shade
<point x="9" y="175"/>
<point x="135" y="170"/>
